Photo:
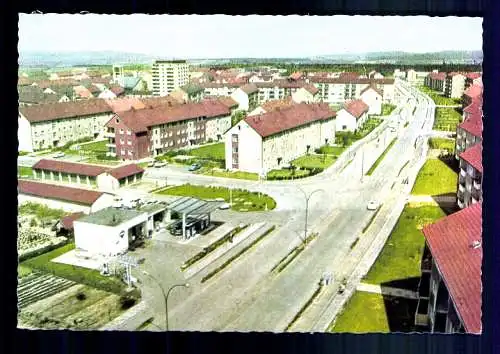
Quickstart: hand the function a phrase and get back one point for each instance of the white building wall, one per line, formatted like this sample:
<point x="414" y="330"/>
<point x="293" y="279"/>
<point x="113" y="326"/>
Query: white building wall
<point x="107" y="183"/>
<point x="249" y="148"/>
<point x="373" y="100"/>
<point x="104" y="201"/>
<point x="345" y="121"/>
<point x="24" y="134"/>
<point x="242" y="99"/>
<point x="302" y="95"/>
<point x="217" y="126"/>
<point x="53" y="203"/>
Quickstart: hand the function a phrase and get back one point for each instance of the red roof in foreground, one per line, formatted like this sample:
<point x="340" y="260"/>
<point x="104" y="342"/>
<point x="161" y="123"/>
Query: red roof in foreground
<point x="277" y="121"/>
<point x="47" y="112"/>
<point x="125" y="171"/>
<point x="67" y="221"/>
<point x="356" y="108"/>
<point x="474" y="91"/>
<point x="52" y="191"/>
<point x="450" y="242"/>
<point x="474" y="156"/>
<point x="473" y="125"/>
<point x="70" y="167"/>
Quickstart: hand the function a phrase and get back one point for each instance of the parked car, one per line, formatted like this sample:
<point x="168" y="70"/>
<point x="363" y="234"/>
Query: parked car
<point x="159" y="164"/>
<point x="151" y="163"/>
<point x="59" y="155"/>
<point x="373" y="205"/>
<point x="194" y="167"/>
<point x="224" y="206"/>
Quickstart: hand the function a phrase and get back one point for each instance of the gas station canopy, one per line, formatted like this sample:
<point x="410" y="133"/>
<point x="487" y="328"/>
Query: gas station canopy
<point x="192" y="206"/>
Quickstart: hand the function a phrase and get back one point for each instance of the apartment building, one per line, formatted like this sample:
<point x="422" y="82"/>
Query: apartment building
<point x="436" y="81"/>
<point x="454" y="85"/>
<point x="306" y="94"/>
<point x="352" y="116"/>
<point x="167" y="75"/>
<point x="471" y="94"/>
<point x="137" y="134"/>
<point x="219" y="89"/>
<point x="50" y="125"/>
<point x="372" y="96"/>
<point x="271" y="140"/>
<point x="278" y="89"/>
<point x="470" y="178"/>
<point x="246" y="96"/>
<point x="470" y="131"/>
<point x="189" y="93"/>
<point x="450" y="285"/>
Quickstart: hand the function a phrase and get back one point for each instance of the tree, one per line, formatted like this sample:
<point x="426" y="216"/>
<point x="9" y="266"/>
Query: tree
<point x="345" y="140"/>
<point x="237" y="117"/>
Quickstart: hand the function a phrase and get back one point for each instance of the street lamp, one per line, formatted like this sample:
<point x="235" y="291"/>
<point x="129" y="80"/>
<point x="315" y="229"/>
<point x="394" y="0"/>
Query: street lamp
<point x="307" y="197"/>
<point x="165" y="296"/>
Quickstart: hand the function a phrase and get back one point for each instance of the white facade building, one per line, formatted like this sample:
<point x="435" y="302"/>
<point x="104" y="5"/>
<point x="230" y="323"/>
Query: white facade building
<point x="373" y="98"/>
<point x="352" y="116"/>
<point x="169" y="75"/>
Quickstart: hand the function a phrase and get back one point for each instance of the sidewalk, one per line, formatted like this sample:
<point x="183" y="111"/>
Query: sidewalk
<point x="130" y="320"/>
<point x="386" y="290"/>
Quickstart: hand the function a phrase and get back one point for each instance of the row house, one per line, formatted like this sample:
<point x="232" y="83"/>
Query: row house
<point x="352" y="116"/>
<point x="455" y="85"/>
<point x="51" y="125"/>
<point x="268" y="141"/>
<point x="436" y="81"/>
<point x="449" y="292"/>
<point x="91" y="176"/>
<point x="339" y="90"/>
<point x="470" y="178"/>
<point x="138" y="134"/>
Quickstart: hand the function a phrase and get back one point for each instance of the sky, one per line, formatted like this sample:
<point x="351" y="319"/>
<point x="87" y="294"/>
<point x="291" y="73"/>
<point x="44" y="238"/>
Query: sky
<point x="221" y="36"/>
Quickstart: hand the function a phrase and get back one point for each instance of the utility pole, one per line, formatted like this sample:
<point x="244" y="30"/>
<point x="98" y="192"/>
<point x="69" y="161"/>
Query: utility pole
<point x="307" y="197"/>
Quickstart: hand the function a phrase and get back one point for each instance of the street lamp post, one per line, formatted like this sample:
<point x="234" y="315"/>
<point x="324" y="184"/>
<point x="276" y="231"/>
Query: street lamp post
<point x="307" y="198"/>
<point x="165" y="296"/>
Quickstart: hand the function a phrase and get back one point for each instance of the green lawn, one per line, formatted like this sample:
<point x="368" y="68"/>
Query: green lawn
<point x="364" y="312"/>
<point x="242" y="200"/>
<point x="41" y="211"/>
<point x="387" y="109"/>
<point x="435" y="178"/>
<point x="23" y="271"/>
<point x="345" y="139"/>
<point x="314" y="161"/>
<point x="400" y="258"/>
<point x="381" y="157"/>
<point x="96" y="147"/>
<point x="24" y="171"/>
<point x="211" y="152"/>
<point x="102" y="162"/>
<point x="447" y="119"/>
<point x="80" y="275"/>
<point x="331" y="150"/>
<point x="439" y="99"/>
<point x="286" y="173"/>
<point x="442" y="144"/>
<point x="230" y="174"/>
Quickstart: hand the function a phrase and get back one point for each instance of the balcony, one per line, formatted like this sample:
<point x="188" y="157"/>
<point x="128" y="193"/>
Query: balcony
<point x="462" y="172"/>
<point x="421" y="315"/>
<point x="460" y="203"/>
<point x="476" y="185"/>
<point x="461" y="187"/>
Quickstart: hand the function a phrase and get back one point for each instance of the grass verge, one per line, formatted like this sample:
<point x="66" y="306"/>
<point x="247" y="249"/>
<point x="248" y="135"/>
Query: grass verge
<point x="212" y="247"/>
<point x="442" y="144"/>
<point x="447" y="119"/>
<point x="230" y="260"/>
<point x="294" y="253"/>
<point x="435" y="178"/>
<point x="381" y="157"/>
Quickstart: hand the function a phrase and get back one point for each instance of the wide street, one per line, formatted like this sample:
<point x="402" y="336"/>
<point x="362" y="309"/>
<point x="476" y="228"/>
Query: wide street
<point x="247" y="296"/>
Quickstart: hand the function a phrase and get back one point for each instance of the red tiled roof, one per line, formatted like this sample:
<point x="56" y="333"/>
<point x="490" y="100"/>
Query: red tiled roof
<point x="473" y="125"/>
<point x="47" y="112"/>
<point x="474" y="156"/>
<point x="125" y="104"/>
<point x="296" y="75"/>
<point x="374" y="88"/>
<point x="356" y="108"/>
<point x="349" y="80"/>
<point x="474" y="91"/>
<point x="125" y="171"/>
<point x="52" y="191"/>
<point x="67" y="221"/>
<point x="225" y="100"/>
<point x="450" y="242"/>
<point x="153" y="102"/>
<point x="82" y="91"/>
<point x="282" y="84"/>
<point x="437" y="76"/>
<point x="272" y="105"/>
<point x="453" y="73"/>
<point x="249" y="88"/>
<point x="117" y="90"/>
<point x="277" y="121"/>
<point x="473" y="76"/>
<point x="24" y="81"/>
<point x="140" y="120"/>
<point x="70" y="167"/>
<point x="475" y="106"/>
<point x="349" y="75"/>
<point x="54" y="83"/>
<point x="311" y="89"/>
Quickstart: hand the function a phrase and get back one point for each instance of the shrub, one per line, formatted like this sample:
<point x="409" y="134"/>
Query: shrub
<point x="127" y="301"/>
<point x="33" y="222"/>
<point x="81" y="296"/>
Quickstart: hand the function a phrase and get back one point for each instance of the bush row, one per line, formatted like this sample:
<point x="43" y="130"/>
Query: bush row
<point x="312" y="172"/>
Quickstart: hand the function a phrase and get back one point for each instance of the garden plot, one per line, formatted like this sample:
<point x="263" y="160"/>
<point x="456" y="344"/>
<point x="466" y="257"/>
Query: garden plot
<point x="38" y="286"/>
<point x="33" y="240"/>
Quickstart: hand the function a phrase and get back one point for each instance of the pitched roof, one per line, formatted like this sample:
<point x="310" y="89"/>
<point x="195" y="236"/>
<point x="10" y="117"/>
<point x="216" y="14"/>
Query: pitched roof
<point x="24" y="81"/>
<point x="70" y="167"/>
<point x="272" y="105"/>
<point x="296" y="75"/>
<point x="277" y="121"/>
<point x="129" y="81"/>
<point x="67" y="221"/>
<point x="437" y="76"/>
<point x="52" y="191"/>
<point x="55" y="83"/>
<point x="473" y="76"/>
<point x="372" y="87"/>
<point x="311" y="89"/>
<point x="140" y="120"/>
<point x="349" y="75"/>
<point x="117" y="90"/>
<point x="125" y="104"/>
<point x="82" y="91"/>
<point x="474" y="156"/>
<point x="281" y="84"/>
<point x="35" y="95"/>
<point x="351" y="80"/>
<point x="192" y="88"/>
<point x="225" y="100"/>
<point x="356" y="108"/>
<point x="473" y="125"/>
<point x="48" y="112"/>
<point x="153" y="102"/>
<point x="125" y="171"/>
<point x="474" y="91"/>
<point x="249" y="88"/>
<point x="450" y="241"/>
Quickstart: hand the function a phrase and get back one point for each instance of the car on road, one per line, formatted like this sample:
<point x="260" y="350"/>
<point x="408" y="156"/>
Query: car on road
<point x="159" y="164"/>
<point x="59" y="155"/>
<point x="151" y="163"/>
<point x="373" y="205"/>
<point x="224" y="206"/>
<point x="194" y="167"/>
